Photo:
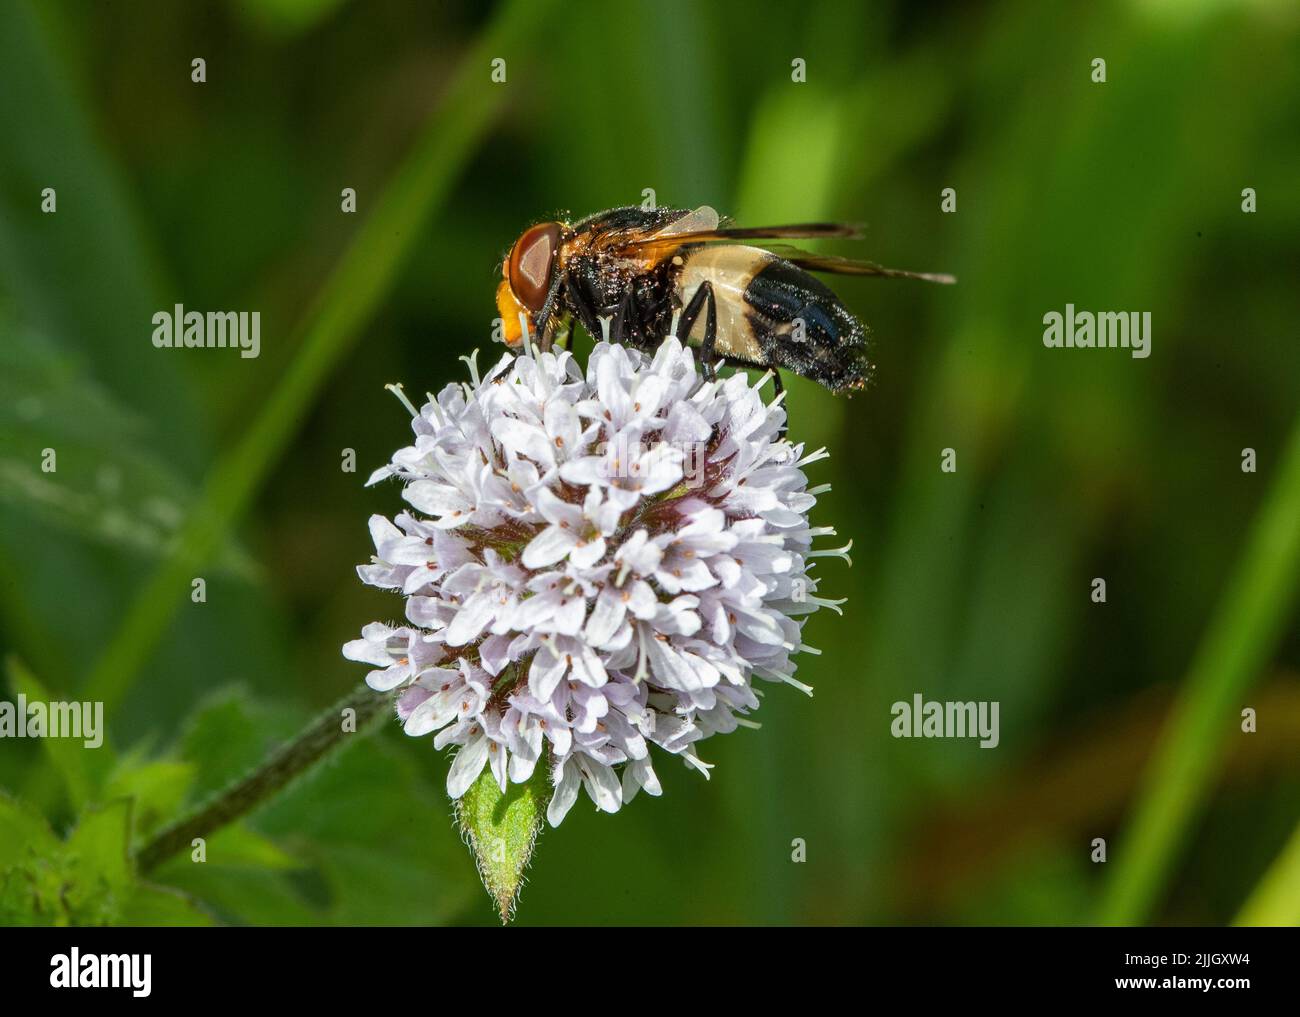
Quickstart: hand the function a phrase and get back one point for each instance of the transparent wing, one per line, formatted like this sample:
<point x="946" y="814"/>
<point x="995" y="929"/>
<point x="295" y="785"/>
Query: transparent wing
<point x="697" y="233"/>
<point x="836" y="265"/>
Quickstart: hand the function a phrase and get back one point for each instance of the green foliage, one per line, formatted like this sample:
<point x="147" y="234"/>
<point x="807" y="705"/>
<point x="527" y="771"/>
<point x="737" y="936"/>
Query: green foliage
<point x="86" y="879"/>
<point x="360" y="840"/>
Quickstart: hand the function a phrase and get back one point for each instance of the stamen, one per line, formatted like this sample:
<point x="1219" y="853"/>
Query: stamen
<point x="834" y="605"/>
<point x="398" y="391"/>
<point x="604" y="320"/>
<point x="807" y="690"/>
<point x="698" y="763"/>
<point x="819" y="489"/>
<point x="753" y="725"/>
<point x="833" y="552"/>
<point x="643" y="656"/>
<point x="534" y="354"/>
<point x="672" y="329"/>
<point x="529" y="349"/>
<point x="813" y="457"/>
<point x="472" y="363"/>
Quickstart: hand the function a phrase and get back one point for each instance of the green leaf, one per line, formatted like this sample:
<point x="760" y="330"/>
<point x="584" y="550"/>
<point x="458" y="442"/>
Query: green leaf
<point x="243" y="896"/>
<point x="162" y="906"/>
<point x="237" y="845"/>
<point x="23" y="831"/>
<point x="85" y="880"/>
<point x="100" y="846"/>
<point x="398" y="860"/>
<point x="155" y="786"/>
<point x="325" y="860"/>
<point x="82" y="769"/>
<point x="34" y="872"/>
<point x="40" y="890"/>
<point x="228" y="734"/>
<point x="502" y="829"/>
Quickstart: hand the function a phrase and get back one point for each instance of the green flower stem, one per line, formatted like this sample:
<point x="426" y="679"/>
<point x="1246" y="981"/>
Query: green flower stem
<point x="362" y="278"/>
<point x="1236" y="646"/>
<point x="326" y="733"/>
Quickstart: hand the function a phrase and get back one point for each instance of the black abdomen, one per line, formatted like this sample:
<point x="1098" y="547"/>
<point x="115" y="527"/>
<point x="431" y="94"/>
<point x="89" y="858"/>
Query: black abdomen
<point x="800" y="325"/>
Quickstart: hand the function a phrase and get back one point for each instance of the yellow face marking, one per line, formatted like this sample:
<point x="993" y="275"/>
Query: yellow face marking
<point x="509" y="308"/>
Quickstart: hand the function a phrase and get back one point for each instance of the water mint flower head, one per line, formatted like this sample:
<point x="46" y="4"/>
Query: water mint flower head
<point x="599" y="569"/>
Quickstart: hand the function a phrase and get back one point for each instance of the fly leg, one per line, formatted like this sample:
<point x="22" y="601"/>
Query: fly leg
<point x="702" y="300"/>
<point x="625" y="318"/>
<point x="582" y="307"/>
<point x="548" y="313"/>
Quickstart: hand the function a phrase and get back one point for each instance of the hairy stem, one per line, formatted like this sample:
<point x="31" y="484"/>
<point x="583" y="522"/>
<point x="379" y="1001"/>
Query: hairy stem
<point x="324" y="734"/>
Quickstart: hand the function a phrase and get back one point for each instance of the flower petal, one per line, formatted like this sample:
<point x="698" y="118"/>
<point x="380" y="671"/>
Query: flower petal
<point x="467" y="765"/>
<point x="566" y="793"/>
<point x="548" y="547"/>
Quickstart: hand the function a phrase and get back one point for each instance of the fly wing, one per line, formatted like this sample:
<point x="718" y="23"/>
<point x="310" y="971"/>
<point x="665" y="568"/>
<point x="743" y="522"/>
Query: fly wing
<point x="835" y="265"/>
<point x="642" y="239"/>
<point x="704" y="225"/>
<point x="702" y="232"/>
<point x="700" y="220"/>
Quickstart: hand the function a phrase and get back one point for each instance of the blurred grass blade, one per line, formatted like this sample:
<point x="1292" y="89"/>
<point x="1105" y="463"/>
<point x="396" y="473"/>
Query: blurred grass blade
<point x="110" y="485"/>
<point x="88" y="276"/>
<point x="362" y="278"/>
<point x="1235" y="648"/>
<point x="285" y="18"/>
<point x="1276" y="900"/>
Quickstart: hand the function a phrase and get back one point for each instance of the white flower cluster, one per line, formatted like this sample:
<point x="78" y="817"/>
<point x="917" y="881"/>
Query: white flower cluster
<point x="598" y="564"/>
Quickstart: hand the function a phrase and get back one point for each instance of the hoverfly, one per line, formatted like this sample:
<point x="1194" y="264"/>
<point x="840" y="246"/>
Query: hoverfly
<point x="630" y="273"/>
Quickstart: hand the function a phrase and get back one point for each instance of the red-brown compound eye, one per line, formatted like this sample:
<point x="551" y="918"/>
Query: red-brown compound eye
<point x="531" y="263"/>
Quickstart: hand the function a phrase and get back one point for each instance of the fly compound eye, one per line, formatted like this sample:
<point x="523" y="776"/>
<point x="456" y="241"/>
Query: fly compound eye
<point x="531" y="263"/>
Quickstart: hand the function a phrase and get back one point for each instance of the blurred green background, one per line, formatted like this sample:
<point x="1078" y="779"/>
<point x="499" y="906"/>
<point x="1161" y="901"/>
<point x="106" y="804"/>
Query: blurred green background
<point x="1072" y="464"/>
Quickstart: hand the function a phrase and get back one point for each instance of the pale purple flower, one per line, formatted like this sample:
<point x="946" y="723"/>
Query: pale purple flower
<point x="596" y="565"/>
